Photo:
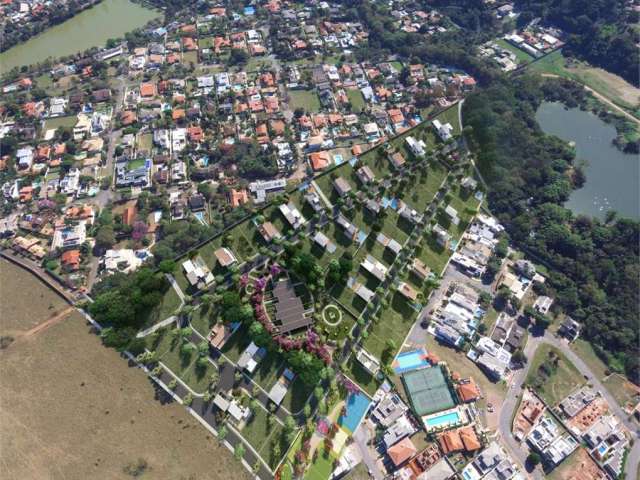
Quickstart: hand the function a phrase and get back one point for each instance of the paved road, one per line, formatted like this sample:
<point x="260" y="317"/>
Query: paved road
<point x="361" y="436"/>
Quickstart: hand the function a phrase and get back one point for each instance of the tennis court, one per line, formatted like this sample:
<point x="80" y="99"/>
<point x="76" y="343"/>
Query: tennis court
<point x="427" y="390"/>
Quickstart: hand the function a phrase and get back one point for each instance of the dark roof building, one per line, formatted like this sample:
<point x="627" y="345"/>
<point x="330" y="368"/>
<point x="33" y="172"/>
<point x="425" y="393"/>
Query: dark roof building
<point x="290" y="312"/>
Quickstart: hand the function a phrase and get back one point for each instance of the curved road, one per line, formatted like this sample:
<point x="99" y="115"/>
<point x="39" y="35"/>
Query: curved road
<point x="511" y="402"/>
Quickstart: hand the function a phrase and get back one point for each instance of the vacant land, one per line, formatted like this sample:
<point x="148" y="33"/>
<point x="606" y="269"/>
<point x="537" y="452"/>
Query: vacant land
<point x="552" y="375"/>
<point x="72" y="409"/>
<point x="618" y="90"/>
<point x="521" y="55"/>
<point x="305" y="99"/>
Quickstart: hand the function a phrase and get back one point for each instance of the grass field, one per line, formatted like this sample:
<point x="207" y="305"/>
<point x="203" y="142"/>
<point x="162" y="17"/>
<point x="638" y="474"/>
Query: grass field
<point x="305" y="99"/>
<point x="450" y="116"/>
<point x="95" y="403"/>
<point x="394" y="324"/>
<point x="57" y="122"/>
<point x="521" y="55"/>
<point x="562" y="379"/>
<point x="611" y="86"/>
<point x="262" y="435"/>
<point x="356" y="99"/>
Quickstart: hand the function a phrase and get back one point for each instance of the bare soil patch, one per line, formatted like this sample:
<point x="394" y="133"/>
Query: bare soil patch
<point x="72" y="409"/>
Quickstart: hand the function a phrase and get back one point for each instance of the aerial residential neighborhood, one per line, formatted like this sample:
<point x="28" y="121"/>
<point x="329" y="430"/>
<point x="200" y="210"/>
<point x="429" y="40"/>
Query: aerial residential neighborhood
<point x="350" y="239"/>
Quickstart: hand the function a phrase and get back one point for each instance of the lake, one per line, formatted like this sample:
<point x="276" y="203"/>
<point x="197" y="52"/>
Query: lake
<point x="90" y="28"/>
<point x="612" y="177"/>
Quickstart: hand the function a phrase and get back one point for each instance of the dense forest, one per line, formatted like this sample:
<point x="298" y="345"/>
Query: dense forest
<point x="595" y="266"/>
<point x="600" y="31"/>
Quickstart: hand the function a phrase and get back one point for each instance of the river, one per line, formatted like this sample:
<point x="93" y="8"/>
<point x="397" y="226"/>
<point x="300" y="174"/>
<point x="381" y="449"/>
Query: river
<point x="90" y="28"/>
<point x="612" y="177"/>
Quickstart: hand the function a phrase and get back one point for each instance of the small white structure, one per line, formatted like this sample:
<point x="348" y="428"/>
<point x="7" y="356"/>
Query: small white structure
<point x="444" y="131"/>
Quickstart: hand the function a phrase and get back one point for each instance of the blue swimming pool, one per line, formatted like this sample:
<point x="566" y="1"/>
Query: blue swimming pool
<point x="450" y="418"/>
<point x="410" y="361"/>
<point x="357" y="405"/>
<point x="338" y="159"/>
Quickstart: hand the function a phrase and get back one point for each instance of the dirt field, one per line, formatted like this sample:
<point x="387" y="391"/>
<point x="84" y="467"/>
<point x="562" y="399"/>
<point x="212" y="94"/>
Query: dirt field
<point x="72" y="409"/>
<point x="579" y="466"/>
<point x="616" y="86"/>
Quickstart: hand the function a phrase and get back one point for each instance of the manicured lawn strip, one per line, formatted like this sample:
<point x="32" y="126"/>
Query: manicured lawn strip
<point x="450" y="116"/>
<point x="305" y="99"/>
<point x="321" y="468"/>
<point x="168" y="306"/>
<point x="236" y="344"/>
<point x="396" y="227"/>
<point x="395" y="322"/>
<point x="261" y="435"/>
<point x="296" y="396"/>
<point x="433" y="255"/>
<point x="356" y="99"/>
<point x="358" y="374"/>
<point x="57" y="122"/>
<point x="347" y="297"/>
<point x="203" y="319"/>
<point x="521" y="55"/>
<point x="268" y="369"/>
<point x="428" y="181"/>
<point x="561" y="382"/>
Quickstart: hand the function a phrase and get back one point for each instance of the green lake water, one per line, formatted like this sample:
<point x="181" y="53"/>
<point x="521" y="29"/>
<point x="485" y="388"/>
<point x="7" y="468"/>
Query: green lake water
<point x="90" y="28"/>
<point x="612" y="177"/>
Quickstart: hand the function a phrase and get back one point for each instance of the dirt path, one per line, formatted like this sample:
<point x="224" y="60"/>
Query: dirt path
<point x="600" y="97"/>
<point x="47" y="323"/>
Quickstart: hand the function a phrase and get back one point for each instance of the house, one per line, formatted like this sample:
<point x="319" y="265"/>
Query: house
<point x="341" y="186"/>
<point x="402" y="451"/>
<point x="543" y="304"/>
<point x="407" y="291"/>
<point x="251" y="357"/>
<point x="269" y="232"/>
<point x="443" y="238"/>
<point x="197" y="272"/>
<point x="319" y="160"/>
<point x="260" y="189"/>
<point x="280" y="388"/>
<point x="124" y="260"/>
<point x="444" y="131"/>
<point x="397" y="160"/>
<point x="225" y="257"/>
<point x="401" y="428"/>
<point x="324" y="242"/>
<point x="417" y="147"/>
<point x="420" y="269"/>
<point x="219" y="335"/>
<point x="390" y="408"/>
<point x="374" y="267"/>
<point x="69" y="236"/>
<point x="365" y="175"/>
<point x="570" y="329"/>
<point x="197" y="202"/>
<point x="292" y="215"/>
<point x="452" y="213"/>
<point x="70" y="260"/>
<point x="468" y="391"/>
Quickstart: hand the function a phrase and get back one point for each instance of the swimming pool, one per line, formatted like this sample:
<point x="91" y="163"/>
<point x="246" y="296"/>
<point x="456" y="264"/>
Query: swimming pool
<point x="357" y="405"/>
<point x="450" y="418"/>
<point x="338" y="159"/>
<point x="410" y="361"/>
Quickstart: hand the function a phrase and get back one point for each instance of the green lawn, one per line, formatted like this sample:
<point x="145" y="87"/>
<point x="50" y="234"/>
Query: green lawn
<point x="339" y="331"/>
<point x="433" y="255"/>
<point x="607" y="84"/>
<point x="321" y="468"/>
<point x="358" y="374"/>
<point x="356" y="99"/>
<point x="522" y="56"/>
<point x="57" y="122"/>
<point x="561" y="380"/>
<point x="426" y="185"/>
<point x="190" y="57"/>
<point x="394" y="324"/>
<point x="296" y="396"/>
<point x="236" y="344"/>
<point x="305" y="99"/>
<point x="262" y="435"/>
<point x="168" y="306"/>
<point x="144" y="142"/>
<point x="450" y="116"/>
<point x="169" y="353"/>
<point x="203" y="319"/>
